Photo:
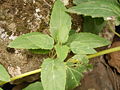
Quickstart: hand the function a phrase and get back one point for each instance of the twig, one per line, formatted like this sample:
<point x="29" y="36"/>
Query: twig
<point x="111" y="28"/>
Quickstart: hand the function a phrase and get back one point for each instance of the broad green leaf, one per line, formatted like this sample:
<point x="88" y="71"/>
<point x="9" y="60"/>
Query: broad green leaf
<point x="62" y="51"/>
<point x="88" y="39"/>
<point x="81" y="48"/>
<point x="93" y="25"/>
<point x="74" y="75"/>
<point x="34" y="40"/>
<point x="4" y="76"/>
<point x="60" y="23"/>
<point x="75" y="70"/>
<point x="81" y="1"/>
<point x="39" y="51"/>
<point x="53" y="74"/>
<point x="1" y="89"/>
<point x="84" y="43"/>
<point x="103" y="9"/>
<point x="34" y="86"/>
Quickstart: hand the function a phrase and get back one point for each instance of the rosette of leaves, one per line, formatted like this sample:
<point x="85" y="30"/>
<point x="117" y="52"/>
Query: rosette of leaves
<point x="59" y="72"/>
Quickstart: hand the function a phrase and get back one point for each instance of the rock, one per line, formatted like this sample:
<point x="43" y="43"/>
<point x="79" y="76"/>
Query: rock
<point x="114" y="57"/>
<point x="102" y="77"/>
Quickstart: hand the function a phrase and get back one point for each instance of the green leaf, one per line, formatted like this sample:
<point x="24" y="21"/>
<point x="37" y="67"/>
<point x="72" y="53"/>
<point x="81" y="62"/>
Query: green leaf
<point x="83" y="43"/>
<point x="81" y="1"/>
<point x="75" y="70"/>
<point x="88" y="39"/>
<point x="34" y="40"/>
<point x="100" y="8"/>
<point x="39" y="51"/>
<point x="1" y="89"/>
<point x="60" y="23"/>
<point x="34" y="86"/>
<point x="53" y="74"/>
<point x="4" y="76"/>
<point x="74" y="75"/>
<point x="62" y="51"/>
<point x="93" y="25"/>
<point x="81" y="48"/>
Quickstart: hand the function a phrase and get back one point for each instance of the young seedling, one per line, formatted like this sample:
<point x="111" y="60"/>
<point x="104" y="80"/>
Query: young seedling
<point x="59" y="71"/>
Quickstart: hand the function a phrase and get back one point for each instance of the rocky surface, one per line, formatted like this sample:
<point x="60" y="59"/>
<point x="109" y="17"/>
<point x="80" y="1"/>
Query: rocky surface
<point x="102" y="77"/>
<point x="114" y="58"/>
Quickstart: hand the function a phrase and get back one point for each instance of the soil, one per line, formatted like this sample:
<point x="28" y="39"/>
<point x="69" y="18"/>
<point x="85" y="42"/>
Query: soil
<point x="18" y="17"/>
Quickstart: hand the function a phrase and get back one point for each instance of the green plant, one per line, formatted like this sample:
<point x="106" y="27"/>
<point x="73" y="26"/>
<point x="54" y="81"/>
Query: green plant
<point x="97" y="13"/>
<point x="59" y="71"/>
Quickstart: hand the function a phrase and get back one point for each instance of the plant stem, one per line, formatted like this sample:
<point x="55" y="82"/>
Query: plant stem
<point x="111" y="28"/>
<point x="22" y="75"/>
<point x="104" y="52"/>
<point x="39" y="70"/>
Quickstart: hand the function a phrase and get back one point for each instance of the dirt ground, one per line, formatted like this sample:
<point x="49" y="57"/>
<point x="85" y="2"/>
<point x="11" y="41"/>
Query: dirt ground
<point x="23" y="16"/>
